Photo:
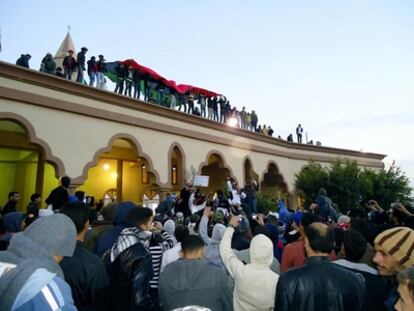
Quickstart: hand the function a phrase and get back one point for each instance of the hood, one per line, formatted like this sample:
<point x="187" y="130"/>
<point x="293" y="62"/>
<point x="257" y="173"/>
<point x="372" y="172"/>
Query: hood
<point x="12" y="221"/>
<point x="169" y="226"/>
<point x="121" y="212"/>
<point x="261" y="250"/>
<point x="12" y="281"/>
<point x="218" y="232"/>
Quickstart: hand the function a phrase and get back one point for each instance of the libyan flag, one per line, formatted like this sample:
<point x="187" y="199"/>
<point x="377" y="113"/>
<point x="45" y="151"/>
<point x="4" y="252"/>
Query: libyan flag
<point x="111" y="72"/>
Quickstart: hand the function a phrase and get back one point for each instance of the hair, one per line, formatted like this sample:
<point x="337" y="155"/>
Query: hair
<point x="65" y="181"/>
<point x="80" y="195"/>
<point x="34" y="197"/>
<point x="109" y="212"/>
<point x="138" y="216"/>
<point x="78" y="212"/>
<point x="272" y="219"/>
<point x="321" y="237"/>
<point x="181" y="232"/>
<point x="355" y="245"/>
<point x="308" y="219"/>
<point x="357" y="213"/>
<point x="406" y="277"/>
<point x="363" y="228"/>
<point x="259" y="229"/>
<point x="192" y="243"/>
<point x="12" y="193"/>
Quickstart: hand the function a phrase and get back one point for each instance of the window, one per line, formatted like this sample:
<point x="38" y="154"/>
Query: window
<point x="174" y="174"/>
<point x="144" y="174"/>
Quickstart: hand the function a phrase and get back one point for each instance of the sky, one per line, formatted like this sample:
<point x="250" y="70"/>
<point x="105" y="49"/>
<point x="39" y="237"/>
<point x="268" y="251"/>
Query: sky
<point x="344" y="69"/>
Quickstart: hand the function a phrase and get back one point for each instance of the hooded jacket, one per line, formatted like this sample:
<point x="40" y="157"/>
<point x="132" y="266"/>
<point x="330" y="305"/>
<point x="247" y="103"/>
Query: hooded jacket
<point x="109" y="238"/>
<point x="35" y="271"/>
<point x="193" y="282"/>
<point x="212" y="250"/>
<point x="255" y="283"/>
<point x="12" y="224"/>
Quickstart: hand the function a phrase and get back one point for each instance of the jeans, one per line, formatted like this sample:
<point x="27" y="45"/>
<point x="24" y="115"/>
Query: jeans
<point x="252" y="203"/>
<point x="119" y="86"/>
<point x="68" y="73"/>
<point x="203" y="110"/>
<point x="79" y="78"/>
<point x="128" y="88"/>
<point x="100" y="80"/>
<point x="215" y="115"/>
<point x="210" y="113"/>
<point x="92" y="77"/>
<point x="299" y="138"/>
<point x="137" y="89"/>
<point x="190" y="107"/>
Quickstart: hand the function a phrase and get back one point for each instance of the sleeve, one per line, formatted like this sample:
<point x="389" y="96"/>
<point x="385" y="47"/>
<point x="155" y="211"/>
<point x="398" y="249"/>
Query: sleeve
<point x="58" y="295"/>
<point x="141" y="274"/>
<point x="233" y="265"/>
<point x="203" y="230"/>
<point x="227" y="293"/>
<point x="282" y="296"/>
<point x="167" y="241"/>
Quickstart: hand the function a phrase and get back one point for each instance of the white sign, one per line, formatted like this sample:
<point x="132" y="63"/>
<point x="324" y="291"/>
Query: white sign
<point x="201" y="181"/>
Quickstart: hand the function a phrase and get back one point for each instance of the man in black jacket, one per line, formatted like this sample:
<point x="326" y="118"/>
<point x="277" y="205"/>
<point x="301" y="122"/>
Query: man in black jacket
<point x="319" y="285"/>
<point x="84" y="271"/>
<point x="10" y="206"/>
<point x="129" y="263"/>
<point x="59" y="195"/>
<point x="81" y="58"/>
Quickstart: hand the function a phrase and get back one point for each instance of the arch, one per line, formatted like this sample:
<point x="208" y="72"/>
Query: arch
<point x="121" y="136"/>
<point x="272" y="177"/>
<point x="34" y="140"/>
<point x="248" y="169"/>
<point x="175" y="146"/>
<point x="222" y="163"/>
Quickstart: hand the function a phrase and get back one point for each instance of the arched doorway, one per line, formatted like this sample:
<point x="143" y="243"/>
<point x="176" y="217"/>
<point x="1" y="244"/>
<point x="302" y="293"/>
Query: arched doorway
<point x="177" y="173"/>
<point x="249" y="173"/>
<point x="215" y="168"/>
<point x="23" y="164"/>
<point x="273" y="180"/>
<point x="120" y="171"/>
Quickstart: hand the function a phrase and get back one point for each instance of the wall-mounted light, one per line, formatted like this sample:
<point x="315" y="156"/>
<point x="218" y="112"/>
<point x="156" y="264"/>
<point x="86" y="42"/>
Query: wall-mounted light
<point x="114" y="175"/>
<point x="106" y="167"/>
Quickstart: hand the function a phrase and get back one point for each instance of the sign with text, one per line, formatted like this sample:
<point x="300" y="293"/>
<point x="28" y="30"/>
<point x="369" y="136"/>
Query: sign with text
<point x="201" y="181"/>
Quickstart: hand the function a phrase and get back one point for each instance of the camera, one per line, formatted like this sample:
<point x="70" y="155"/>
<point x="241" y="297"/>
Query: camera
<point x="254" y="216"/>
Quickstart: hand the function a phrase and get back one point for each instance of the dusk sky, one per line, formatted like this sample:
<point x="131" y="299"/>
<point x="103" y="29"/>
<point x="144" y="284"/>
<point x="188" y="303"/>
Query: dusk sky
<point x="343" y="69"/>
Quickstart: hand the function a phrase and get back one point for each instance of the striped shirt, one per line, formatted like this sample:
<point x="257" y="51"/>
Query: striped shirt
<point x="156" y="252"/>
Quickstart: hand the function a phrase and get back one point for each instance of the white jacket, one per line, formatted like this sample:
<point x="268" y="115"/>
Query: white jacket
<point x="255" y="284"/>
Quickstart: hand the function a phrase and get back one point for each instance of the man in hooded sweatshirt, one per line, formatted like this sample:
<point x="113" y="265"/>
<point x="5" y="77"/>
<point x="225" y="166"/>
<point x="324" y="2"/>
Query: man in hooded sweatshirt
<point x="105" y="242"/>
<point x="191" y="281"/>
<point x="255" y="283"/>
<point x="13" y="223"/>
<point x="30" y="276"/>
<point x="212" y="251"/>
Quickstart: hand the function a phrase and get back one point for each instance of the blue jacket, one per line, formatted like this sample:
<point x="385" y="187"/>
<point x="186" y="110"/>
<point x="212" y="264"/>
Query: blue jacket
<point x="108" y="240"/>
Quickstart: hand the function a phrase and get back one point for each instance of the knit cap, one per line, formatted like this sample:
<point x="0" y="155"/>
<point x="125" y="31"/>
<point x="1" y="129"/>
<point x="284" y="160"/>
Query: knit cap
<point x="56" y="233"/>
<point x="399" y="243"/>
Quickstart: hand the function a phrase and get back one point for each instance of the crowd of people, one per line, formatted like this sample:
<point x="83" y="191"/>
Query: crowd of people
<point x="131" y="82"/>
<point x="210" y="251"/>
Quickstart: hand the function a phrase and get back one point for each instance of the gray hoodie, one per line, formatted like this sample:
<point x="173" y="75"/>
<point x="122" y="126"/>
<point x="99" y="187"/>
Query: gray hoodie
<point x="212" y="251"/>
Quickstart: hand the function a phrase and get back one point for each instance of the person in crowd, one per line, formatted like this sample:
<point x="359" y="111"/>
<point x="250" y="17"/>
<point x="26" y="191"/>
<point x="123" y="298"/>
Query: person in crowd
<point x="196" y="112"/>
<point x="80" y="61"/>
<point x="353" y="247"/>
<point x="212" y="251"/>
<point x="294" y="254"/>
<point x="84" y="271"/>
<point x="255" y="284"/>
<point x="23" y="60"/>
<point x="270" y="131"/>
<point x="405" y="290"/>
<point x="121" y="73"/>
<point x="108" y="239"/>
<point x="129" y="81"/>
<point x="10" y="206"/>
<point x="290" y="138"/>
<point x="129" y="263"/>
<point x="243" y="115"/>
<point x="173" y="254"/>
<point x="183" y="203"/>
<point x="30" y="277"/>
<point x="34" y="205"/>
<point x="210" y="108"/>
<point x="59" y="195"/>
<point x="59" y="72"/>
<point x="48" y="65"/>
<point x="265" y="130"/>
<point x="320" y="284"/>
<point x="299" y="132"/>
<point x="261" y="228"/>
<point x="102" y="226"/>
<point x="250" y="189"/>
<point x="398" y="214"/>
<point x="169" y="227"/>
<point x="254" y="121"/>
<point x="394" y="253"/>
<point x="100" y="75"/>
<point x="173" y="100"/>
<point x="325" y="208"/>
<point x="165" y="208"/>
<point x="160" y="241"/>
<point x="191" y="281"/>
<point x="69" y="65"/>
<point x="13" y="223"/>
<point x="365" y="229"/>
<point x="248" y="121"/>
<point x="215" y="109"/>
<point x="136" y="81"/>
<point x="161" y="92"/>
<point x="190" y="102"/>
<point x="259" y="129"/>
<point x="92" y="70"/>
<point x="202" y="103"/>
